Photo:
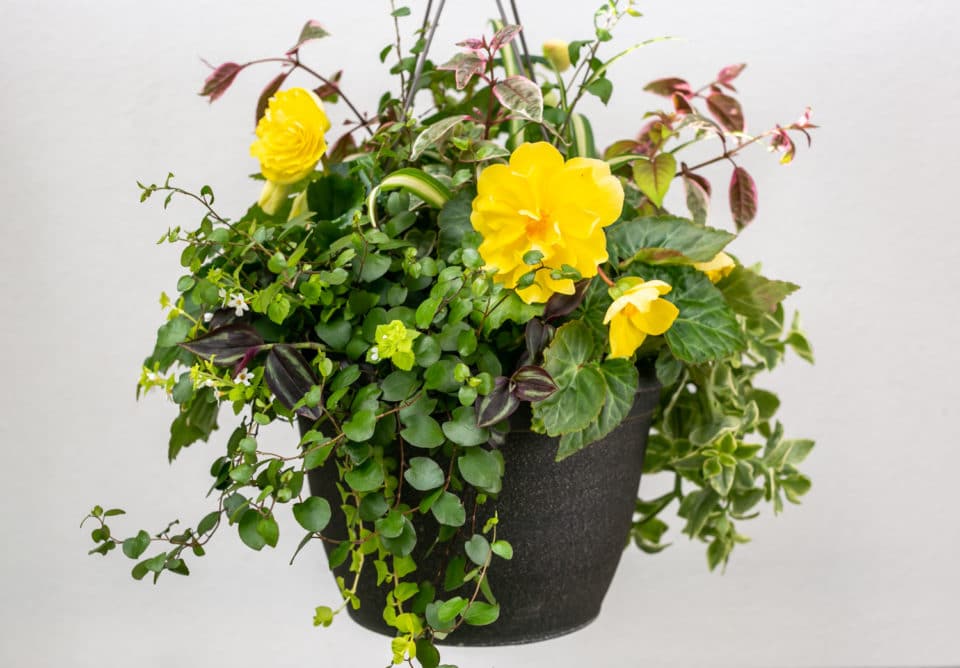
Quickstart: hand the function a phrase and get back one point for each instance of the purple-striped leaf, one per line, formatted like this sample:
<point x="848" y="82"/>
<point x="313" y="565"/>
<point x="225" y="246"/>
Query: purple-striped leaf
<point x="743" y="197"/>
<point x="219" y="80"/>
<point x="532" y="383"/>
<point x="560" y="305"/>
<point x="227" y="345"/>
<point x="498" y="405"/>
<point x="289" y="376"/>
<point x="538" y="336"/>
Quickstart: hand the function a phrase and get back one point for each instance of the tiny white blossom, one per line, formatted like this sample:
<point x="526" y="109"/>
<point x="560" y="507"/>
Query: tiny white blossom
<point x="374" y="354"/>
<point x="223" y="293"/>
<point x="208" y="316"/>
<point x="244" y="377"/>
<point x="209" y="382"/>
<point x="239" y="303"/>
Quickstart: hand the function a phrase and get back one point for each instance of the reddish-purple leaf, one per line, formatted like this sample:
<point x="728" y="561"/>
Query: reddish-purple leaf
<point x="464" y="66"/>
<point x="667" y="87"/>
<point x="290" y="376"/>
<point x="560" y="305"/>
<point x="311" y="30"/>
<point x="532" y="383"/>
<point x="504" y="36"/>
<point x="328" y="91"/>
<point x="219" y="80"/>
<point x="743" y="197"/>
<point x="680" y="104"/>
<point x="703" y="183"/>
<point x="227" y="345"/>
<point x="498" y="405"/>
<point x="268" y="92"/>
<point x="730" y="72"/>
<point x="473" y="44"/>
<point x="727" y="111"/>
<point x="537" y="336"/>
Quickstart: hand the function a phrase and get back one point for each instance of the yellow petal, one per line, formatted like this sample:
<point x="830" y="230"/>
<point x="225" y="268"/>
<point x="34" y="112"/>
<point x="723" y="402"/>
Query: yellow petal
<point x="272" y="196"/>
<point x="624" y="338"/>
<point x="658" y="317"/>
<point x="721" y="265"/>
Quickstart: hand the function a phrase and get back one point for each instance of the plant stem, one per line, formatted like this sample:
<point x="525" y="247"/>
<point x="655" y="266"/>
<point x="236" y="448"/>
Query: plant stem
<point x="523" y="43"/>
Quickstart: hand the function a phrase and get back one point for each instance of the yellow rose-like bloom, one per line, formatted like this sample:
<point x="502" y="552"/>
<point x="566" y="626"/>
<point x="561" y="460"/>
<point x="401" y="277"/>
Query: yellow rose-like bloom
<point x="637" y="312"/>
<point x="540" y="203"/>
<point x="721" y="265"/>
<point x="557" y="53"/>
<point x="289" y="142"/>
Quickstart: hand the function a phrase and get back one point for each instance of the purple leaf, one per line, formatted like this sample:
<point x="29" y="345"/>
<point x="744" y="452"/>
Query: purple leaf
<point x="219" y="80"/>
<point x="532" y="383"/>
<point x="537" y="336"/>
<point x="498" y="405"/>
<point x="560" y="305"/>
<point x="227" y="345"/>
<point x="727" y="111"/>
<point x="743" y="197"/>
<point x="730" y="72"/>
<point x="667" y="87"/>
<point x="268" y="92"/>
<point x="289" y="376"/>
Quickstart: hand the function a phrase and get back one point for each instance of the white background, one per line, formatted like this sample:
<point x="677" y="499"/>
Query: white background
<point x="98" y="94"/>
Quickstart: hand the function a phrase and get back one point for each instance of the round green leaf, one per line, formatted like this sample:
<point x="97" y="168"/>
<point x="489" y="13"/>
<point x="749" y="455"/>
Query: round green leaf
<point x="424" y="474"/>
<point x="366" y="477"/>
<point x="422" y="431"/>
<point x="449" y="510"/>
<point x="463" y="429"/>
<point x="361" y="426"/>
<point x="313" y="514"/>
<point x="478" y="549"/>
<point x="482" y="469"/>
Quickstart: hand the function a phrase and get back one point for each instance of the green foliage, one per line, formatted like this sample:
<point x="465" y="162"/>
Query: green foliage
<point x="362" y="308"/>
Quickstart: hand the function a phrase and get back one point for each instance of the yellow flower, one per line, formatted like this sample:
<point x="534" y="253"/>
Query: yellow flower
<point x="289" y="142"/>
<point x="637" y="312"/>
<point x="721" y="265"/>
<point x="556" y="52"/>
<point x="540" y="203"/>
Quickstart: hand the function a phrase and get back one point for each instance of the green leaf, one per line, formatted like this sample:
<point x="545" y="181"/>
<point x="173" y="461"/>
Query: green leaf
<point x="602" y="88"/>
<point x="502" y="549"/>
<point x="750" y="294"/>
<point x="424" y="474"/>
<point x="706" y="329"/>
<point x="481" y="614"/>
<point x="361" y="426"/>
<point x="173" y="332"/>
<point x="580" y="397"/>
<point x="454" y="223"/>
<point x="433" y="135"/>
<point x="620" y="380"/>
<point x="665" y="240"/>
<point x="335" y="334"/>
<point x="269" y="530"/>
<point x="242" y="473"/>
<point x="313" y="514"/>
<point x="247" y="528"/>
<point x="482" y="469"/>
<point x="422" y="431"/>
<point x="653" y="177"/>
<point x="390" y="526"/>
<point x="463" y="429"/>
<point x="374" y="266"/>
<point x="134" y="547"/>
<point x="478" y="549"/>
<point x="449" y="610"/>
<point x="449" y="510"/>
<point x="366" y="477"/>
<point x="403" y="544"/>
<point x="414" y="181"/>
<point x="323" y="616"/>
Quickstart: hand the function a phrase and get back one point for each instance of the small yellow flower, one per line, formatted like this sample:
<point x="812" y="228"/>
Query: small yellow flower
<point x="540" y="203"/>
<point x="637" y="312"/>
<point x="556" y="52"/>
<point x="721" y="265"/>
<point x="290" y="141"/>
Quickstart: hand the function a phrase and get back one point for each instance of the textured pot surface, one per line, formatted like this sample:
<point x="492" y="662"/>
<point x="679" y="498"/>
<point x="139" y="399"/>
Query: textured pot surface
<point x="568" y="523"/>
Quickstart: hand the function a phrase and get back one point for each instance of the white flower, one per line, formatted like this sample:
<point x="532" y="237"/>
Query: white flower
<point x="244" y="377"/>
<point x="209" y="382"/>
<point x="373" y="354"/>
<point x="208" y="316"/>
<point x="239" y="303"/>
<point x="223" y="293"/>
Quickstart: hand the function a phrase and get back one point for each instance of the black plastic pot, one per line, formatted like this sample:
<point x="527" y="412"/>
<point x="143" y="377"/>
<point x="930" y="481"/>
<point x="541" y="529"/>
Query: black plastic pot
<point x="568" y="523"/>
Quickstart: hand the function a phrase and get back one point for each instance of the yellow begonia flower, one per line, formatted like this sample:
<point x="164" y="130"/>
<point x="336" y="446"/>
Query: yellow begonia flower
<point x="557" y="53"/>
<point x="721" y="265"/>
<point x="639" y="311"/>
<point x="290" y="141"/>
<point x="540" y="203"/>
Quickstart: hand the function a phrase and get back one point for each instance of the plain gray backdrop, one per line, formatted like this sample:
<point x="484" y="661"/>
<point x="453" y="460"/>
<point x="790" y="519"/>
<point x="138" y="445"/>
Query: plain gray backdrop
<point x="99" y="94"/>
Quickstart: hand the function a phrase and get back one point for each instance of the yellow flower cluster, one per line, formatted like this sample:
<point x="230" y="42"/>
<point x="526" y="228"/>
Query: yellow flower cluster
<point x="539" y="202"/>
<point x="290" y="141"/>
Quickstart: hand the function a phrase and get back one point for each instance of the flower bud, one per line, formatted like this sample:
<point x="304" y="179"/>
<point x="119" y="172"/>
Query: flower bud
<point x="556" y="53"/>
